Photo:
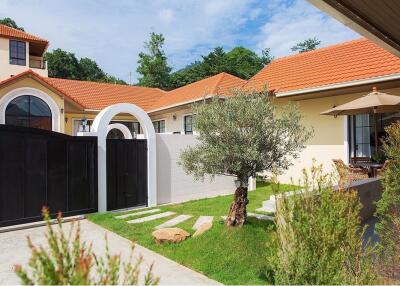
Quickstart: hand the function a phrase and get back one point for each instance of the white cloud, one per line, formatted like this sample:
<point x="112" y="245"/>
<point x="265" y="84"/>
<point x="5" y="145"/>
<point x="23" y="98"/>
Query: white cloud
<point x="113" y="32"/>
<point x="289" y="25"/>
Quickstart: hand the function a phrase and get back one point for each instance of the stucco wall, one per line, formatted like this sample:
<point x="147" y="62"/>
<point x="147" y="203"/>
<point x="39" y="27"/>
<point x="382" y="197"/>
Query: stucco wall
<point x="172" y="125"/>
<point x="173" y="184"/>
<point x="6" y="69"/>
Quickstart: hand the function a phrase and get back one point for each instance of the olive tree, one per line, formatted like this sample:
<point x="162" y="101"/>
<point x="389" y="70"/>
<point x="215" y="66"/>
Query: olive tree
<point x="241" y="136"/>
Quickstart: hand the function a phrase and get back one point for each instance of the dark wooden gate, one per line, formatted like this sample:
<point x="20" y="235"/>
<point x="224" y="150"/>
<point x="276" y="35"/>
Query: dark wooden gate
<point x="126" y="173"/>
<point x="43" y="168"/>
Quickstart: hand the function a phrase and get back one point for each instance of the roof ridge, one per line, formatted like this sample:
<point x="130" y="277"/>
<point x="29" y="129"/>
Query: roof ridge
<point x="215" y="88"/>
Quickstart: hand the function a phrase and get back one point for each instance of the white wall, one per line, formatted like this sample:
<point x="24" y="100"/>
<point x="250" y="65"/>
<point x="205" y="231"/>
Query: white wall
<point x="171" y="124"/>
<point x="173" y="184"/>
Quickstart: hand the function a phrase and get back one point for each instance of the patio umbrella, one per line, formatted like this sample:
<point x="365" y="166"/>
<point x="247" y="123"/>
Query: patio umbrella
<point x="374" y="102"/>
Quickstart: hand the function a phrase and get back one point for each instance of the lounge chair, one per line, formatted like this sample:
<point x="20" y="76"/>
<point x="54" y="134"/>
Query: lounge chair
<point x="349" y="174"/>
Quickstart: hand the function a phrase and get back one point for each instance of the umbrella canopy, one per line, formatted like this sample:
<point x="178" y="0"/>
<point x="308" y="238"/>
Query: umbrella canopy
<point x="374" y="102"/>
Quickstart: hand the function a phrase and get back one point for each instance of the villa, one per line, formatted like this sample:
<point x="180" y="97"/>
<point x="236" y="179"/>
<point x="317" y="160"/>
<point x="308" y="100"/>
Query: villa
<point x="316" y="81"/>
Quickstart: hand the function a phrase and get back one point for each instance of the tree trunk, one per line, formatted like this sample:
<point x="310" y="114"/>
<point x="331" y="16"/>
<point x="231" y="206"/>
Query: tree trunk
<point x="237" y="212"/>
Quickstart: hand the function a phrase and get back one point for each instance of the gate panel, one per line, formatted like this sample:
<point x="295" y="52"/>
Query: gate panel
<point x="126" y="173"/>
<point x="43" y="168"/>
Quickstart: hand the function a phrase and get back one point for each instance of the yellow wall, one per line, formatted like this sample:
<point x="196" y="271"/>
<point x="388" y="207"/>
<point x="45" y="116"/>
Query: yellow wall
<point x="30" y="83"/>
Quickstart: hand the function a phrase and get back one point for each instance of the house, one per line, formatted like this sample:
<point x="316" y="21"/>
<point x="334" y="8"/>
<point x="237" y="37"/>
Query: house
<point x="316" y="81"/>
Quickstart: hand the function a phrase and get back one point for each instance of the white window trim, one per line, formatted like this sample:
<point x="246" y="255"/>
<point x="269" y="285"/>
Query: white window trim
<point x="165" y="124"/>
<point x="183" y="124"/>
<point x="54" y="109"/>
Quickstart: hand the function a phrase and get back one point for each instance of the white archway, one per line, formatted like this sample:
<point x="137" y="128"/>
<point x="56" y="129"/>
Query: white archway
<point x="100" y="129"/>
<point x="121" y="127"/>
<point x="55" y="110"/>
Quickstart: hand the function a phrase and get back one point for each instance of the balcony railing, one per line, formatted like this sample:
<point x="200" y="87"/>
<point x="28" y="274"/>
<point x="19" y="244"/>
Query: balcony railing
<point x="37" y="63"/>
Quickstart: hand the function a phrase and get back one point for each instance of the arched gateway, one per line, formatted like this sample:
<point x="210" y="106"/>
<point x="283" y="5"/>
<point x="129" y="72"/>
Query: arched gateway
<point x="100" y="128"/>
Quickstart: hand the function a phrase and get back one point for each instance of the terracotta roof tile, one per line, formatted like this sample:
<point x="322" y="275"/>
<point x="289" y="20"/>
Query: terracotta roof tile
<point x="9" y="32"/>
<point x="349" y="61"/>
<point x="221" y="84"/>
<point x="95" y="95"/>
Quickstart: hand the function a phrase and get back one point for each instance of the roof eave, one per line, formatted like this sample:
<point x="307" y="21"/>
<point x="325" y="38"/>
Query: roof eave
<point x="338" y="85"/>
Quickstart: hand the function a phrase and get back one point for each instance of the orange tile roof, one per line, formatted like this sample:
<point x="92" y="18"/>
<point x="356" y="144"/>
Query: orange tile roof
<point x="221" y="84"/>
<point x="349" y="61"/>
<point x="95" y="95"/>
<point x="9" y="32"/>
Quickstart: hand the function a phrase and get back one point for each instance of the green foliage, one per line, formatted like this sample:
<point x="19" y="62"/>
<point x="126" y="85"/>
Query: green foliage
<point x="62" y="64"/>
<point x="388" y="207"/>
<point x="10" y="23"/>
<point x="243" y="135"/>
<point x="319" y="240"/>
<point x="306" y="45"/>
<point x="240" y="62"/>
<point x="68" y="261"/>
<point x="153" y="65"/>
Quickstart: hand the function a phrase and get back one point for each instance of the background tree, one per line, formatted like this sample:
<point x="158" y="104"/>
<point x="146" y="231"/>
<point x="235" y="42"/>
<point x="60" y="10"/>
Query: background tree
<point x="10" y="23"/>
<point x="266" y="57"/>
<point x="242" y="136"/>
<point x="62" y="64"/>
<point x="153" y="66"/>
<point x="243" y="62"/>
<point x="306" y="45"/>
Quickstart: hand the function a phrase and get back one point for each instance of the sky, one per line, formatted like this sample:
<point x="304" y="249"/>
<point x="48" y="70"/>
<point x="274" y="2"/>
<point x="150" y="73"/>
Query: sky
<point x="113" y="32"/>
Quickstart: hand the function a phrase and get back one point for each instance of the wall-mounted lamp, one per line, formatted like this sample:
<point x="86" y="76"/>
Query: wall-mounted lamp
<point x="83" y="126"/>
<point x="174" y="117"/>
<point x="66" y="119"/>
<point x="62" y="110"/>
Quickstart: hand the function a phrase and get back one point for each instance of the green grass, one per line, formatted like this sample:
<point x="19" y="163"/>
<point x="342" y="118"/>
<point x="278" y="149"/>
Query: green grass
<point x="228" y="255"/>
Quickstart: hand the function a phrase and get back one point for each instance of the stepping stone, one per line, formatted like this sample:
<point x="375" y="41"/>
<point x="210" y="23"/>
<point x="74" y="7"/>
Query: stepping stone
<point x="224" y="217"/>
<point x="138" y="213"/>
<point x="151" y="217"/>
<point x="201" y="220"/>
<point x="174" y="221"/>
<point x="260" y="216"/>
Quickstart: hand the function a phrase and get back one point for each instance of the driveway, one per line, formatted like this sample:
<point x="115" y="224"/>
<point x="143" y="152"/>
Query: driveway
<point x="14" y="250"/>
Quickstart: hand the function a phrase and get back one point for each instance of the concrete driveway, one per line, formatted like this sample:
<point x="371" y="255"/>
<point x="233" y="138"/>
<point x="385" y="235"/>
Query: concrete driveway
<point x="14" y="250"/>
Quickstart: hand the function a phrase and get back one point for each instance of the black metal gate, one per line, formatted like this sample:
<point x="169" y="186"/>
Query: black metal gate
<point x="43" y="168"/>
<point x="126" y="173"/>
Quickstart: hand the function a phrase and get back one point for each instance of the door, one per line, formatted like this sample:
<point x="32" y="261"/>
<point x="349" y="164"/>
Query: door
<point x="126" y="173"/>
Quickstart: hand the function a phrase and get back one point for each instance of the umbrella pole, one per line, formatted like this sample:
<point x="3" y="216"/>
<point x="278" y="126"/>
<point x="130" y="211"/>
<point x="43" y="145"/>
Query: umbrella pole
<point x="376" y="132"/>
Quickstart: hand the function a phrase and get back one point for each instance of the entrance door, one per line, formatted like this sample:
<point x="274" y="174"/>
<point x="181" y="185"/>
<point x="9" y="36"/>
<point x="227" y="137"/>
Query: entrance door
<point x="126" y="173"/>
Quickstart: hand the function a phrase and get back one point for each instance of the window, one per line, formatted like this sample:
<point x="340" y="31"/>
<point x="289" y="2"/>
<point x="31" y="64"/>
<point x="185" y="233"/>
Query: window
<point x="134" y="127"/>
<point x="159" y="126"/>
<point x="17" y="53"/>
<point x="29" y="111"/>
<point x="189" y="123"/>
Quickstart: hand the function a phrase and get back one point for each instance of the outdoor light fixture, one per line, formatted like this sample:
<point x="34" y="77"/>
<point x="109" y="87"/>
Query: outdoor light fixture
<point x="134" y="135"/>
<point x="174" y="117"/>
<point x="84" y="127"/>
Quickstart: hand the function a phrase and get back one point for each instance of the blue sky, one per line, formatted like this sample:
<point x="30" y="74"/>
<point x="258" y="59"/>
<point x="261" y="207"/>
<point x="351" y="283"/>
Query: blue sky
<point x="113" y="32"/>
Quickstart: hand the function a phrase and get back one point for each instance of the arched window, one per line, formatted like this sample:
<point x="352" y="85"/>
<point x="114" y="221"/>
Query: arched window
<point x="29" y="111"/>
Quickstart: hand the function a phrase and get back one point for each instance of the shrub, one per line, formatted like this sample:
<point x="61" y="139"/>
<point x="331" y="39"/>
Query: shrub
<point x="388" y="208"/>
<point x="68" y="261"/>
<point x="318" y="236"/>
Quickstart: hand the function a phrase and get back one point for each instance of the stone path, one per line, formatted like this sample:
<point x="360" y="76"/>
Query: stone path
<point x="138" y="213"/>
<point x="174" y="221"/>
<point x="151" y="217"/>
<point x="201" y="220"/>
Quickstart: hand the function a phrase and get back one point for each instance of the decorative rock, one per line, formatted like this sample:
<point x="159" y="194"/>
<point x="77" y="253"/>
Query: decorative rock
<point x="173" y="234"/>
<point x="202" y="229"/>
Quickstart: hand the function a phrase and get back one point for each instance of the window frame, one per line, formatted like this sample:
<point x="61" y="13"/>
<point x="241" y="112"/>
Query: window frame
<point x="157" y="122"/>
<point x="17" y="60"/>
<point x="188" y="132"/>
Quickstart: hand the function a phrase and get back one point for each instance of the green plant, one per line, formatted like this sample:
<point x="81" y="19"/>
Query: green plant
<point x="67" y="260"/>
<point x="242" y="136"/>
<point x="318" y="236"/>
<point x="388" y="208"/>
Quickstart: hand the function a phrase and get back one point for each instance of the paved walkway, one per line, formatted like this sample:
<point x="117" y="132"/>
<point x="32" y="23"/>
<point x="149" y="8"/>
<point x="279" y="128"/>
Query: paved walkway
<point x="14" y="250"/>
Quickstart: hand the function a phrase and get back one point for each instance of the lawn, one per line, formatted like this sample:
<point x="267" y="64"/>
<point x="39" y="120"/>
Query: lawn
<point x="228" y="255"/>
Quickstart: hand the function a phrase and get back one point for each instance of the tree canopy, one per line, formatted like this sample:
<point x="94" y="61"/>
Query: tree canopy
<point x="63" y="64"/>
<point x="10" y="23"/>
<point x="153" y="65"/>
<point x="306" y="45"/>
